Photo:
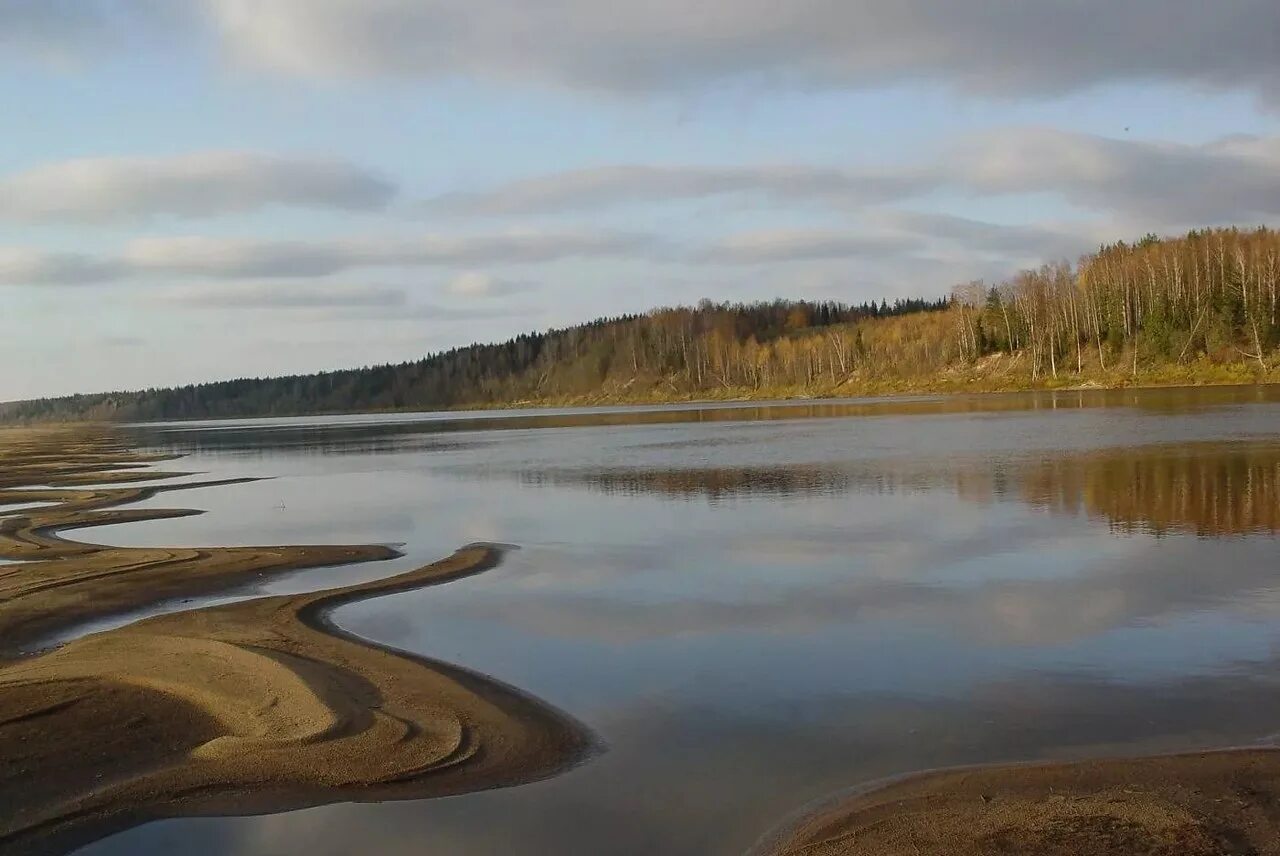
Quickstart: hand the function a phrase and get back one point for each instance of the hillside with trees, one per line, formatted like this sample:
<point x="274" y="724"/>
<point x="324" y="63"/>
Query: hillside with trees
<point x="1200" y="308"/>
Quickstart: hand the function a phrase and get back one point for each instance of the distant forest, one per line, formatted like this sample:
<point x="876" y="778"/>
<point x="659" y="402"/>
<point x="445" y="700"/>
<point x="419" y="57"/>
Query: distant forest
<point x="1186" y="306"/>
<point x="557" y="363"/>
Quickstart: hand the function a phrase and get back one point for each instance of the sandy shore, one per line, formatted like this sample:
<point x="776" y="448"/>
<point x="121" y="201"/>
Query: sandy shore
<point x="252" y="707"/>
<point x="62" y="582"/>
<point x="1207" y="804"/>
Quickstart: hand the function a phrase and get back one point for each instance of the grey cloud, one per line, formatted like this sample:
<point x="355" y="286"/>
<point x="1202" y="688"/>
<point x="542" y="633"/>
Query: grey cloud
<point x="218" y="258"/>
<point x="231" y="258"/>
<point x="34" y="267"/>
<point x="435" y="312"/>
<point x="599" y="187"/>
<point x="990" y="47"/>
<point x="1224" y="180"/>
<point x="55" y="31"/>
<point x="193" y="185"/>
<point x="64" y="34"/>
<point x="1029" y="240"/>
<point x="235" y="258"/>
<point x="335" y="302"/>
<point x="787" y="245"/>
<point x="121" y="341"/>
<point x="276" y="296"/>
<point x="475" y="284"/>
<point x="983" y="46"/>
<point x="1159" y="184"/>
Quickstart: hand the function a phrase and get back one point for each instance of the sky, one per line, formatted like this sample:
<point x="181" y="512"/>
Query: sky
<point x="196" y="190"/>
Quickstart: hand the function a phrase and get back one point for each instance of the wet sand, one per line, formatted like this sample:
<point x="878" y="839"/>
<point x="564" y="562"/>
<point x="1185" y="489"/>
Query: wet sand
<point x="61" y="582"/>
<point x="1208" y="804"/>
<point x="252" y="707"/>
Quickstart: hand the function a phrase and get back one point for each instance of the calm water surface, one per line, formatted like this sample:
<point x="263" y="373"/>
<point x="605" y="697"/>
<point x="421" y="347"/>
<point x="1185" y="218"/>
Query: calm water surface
<point x="754" y="607"/>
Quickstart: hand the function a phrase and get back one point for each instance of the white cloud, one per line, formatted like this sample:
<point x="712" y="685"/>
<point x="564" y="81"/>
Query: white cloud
<point x="478" y="284"/>
<point x="328" y="302"/>
<point x="1028" y="240"/>
<point x="1131" y="185"/>
<point x="435" y="313"/>
<point x="193" y="185"/>
<point x="1232" y="179"/>
<point x="576" y="190"/>
<point x="282" y="296"/>
<point x="784" y="245"/>
<point x="221" y="258"/>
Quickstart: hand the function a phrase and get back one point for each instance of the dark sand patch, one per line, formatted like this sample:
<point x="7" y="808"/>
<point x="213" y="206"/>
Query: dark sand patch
<point x="1208" y="804"/>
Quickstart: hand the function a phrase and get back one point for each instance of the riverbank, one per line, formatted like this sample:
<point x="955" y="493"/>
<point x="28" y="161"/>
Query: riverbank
<point x="993" y="373"/>
<point x="997" y="373"/>
<point x="1207" y="804"/>
<point x="63" y="478"/>
<point x="253" y="707"/>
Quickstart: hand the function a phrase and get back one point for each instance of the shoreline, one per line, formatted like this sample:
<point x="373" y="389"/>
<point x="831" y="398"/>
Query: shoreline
<point x="252" y="707"/>
<point x="1206" y="803"/>
<point x="886" y="391"/>
<point x="85" y="477"/>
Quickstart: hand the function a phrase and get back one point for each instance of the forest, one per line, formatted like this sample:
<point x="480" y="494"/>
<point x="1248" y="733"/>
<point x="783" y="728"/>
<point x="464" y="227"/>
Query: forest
<point x="1197" y="308"/>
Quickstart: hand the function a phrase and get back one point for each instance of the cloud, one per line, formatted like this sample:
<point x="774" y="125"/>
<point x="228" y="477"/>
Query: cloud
<point x="600" y="187"/>
<point x="52" y="31"/>
<point x="1131" y="584"/>
<point x="477" y="284"/>
<point x="982" y="46"/>
<point x="21" y="266"/>
<point x="440" y="313"/>
<point x="278" y="296"/>
<point x="329" y="302"/>
<point x="1029" y="240"/>
<point x="218" y="258"/>
<point x="986" y="47"/>
<point x="1134" y="185"/>
<point x="1231" y="179"/>
<point x="65" y="35"/>
<point x="786" y="245"/>
<point x="193" y="185"/>
<point x="121" y="341"/>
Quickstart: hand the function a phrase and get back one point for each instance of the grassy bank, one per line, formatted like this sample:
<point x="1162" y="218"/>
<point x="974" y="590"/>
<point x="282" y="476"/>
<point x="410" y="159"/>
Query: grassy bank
<point x="999" y="373"/>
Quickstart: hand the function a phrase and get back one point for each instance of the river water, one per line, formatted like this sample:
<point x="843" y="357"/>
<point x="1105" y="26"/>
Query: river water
<point x="754" y="607"/>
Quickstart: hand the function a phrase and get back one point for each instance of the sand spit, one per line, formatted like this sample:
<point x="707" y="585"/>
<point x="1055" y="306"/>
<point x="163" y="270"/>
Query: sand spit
<point x="1208" y="804"/>
<point x="61" y="582"/>
<point x="252" y="707"/>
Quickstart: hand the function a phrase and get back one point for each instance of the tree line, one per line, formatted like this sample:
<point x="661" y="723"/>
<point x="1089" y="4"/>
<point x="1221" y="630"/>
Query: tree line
<point x="682" y="348"/>
<point x="1207" y="297"/>
<point x="1212" y="293"/>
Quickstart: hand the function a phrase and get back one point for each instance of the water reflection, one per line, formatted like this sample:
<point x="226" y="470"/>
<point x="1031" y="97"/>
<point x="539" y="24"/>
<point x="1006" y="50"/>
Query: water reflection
<point x="711" y="484"/>
<point x="978" y="590"/>
<point x="1208" y="489"/>
<point x="362" y="433"/>
<point x="758" y="606"/>
<point x="690" y="782"/>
